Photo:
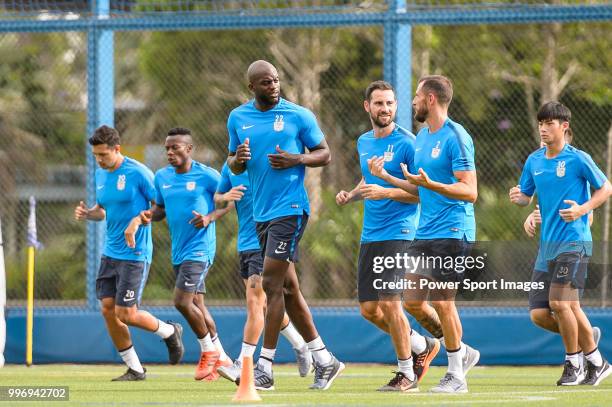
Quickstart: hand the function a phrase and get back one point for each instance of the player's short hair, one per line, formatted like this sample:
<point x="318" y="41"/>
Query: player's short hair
<point x="105" y="135"/>
<point x="179" y="131"/>
<point x="554" y="111"/>
<point x="440" y="86"/>
<point x="377" y="85"/>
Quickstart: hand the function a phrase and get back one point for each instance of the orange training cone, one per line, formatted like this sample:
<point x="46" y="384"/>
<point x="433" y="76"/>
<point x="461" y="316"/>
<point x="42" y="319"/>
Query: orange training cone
<point x="246" y="390"/>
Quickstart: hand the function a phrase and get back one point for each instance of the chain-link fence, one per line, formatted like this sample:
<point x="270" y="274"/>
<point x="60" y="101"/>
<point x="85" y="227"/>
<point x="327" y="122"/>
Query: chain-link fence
<point x="193" y="79"/>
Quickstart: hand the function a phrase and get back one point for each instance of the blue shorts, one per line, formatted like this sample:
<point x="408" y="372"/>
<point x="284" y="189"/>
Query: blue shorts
<point x="279" y="237"/>
<point x="251" y="263"/>
<point x="190" y="275"/>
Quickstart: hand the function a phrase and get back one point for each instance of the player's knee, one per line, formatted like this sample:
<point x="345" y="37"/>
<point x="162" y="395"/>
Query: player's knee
<point x="108" y="311"/>
<point x="560" y="305"/>
<point x="414" y="307"/>
<point x="272" y="288"/>
<point x="539" y="316"/>
<point x="182" y="303"/>
<point x="443" y="306"/>
<point x="368" y="310"/>
<point x="126" y="315"/>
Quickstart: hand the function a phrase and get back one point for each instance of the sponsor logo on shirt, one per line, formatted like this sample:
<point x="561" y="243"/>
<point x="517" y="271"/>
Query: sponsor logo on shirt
<point x="561" y="169"/>
<point x="191" y="186"/>
<point x="121" y="182"/>
<point x="435" y="152"/>
<point x="279" y="124"/>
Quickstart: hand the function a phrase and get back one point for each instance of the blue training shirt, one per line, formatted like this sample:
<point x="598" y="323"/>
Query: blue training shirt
<point x="386" y="219"/>
<point x="247" y="234"/>
<point x="180" y="194"/>
<point x="440" y="154"/>
<point x="276" y="193"/>
<point x="124" y="193"/>
<point x="568" y="176"/>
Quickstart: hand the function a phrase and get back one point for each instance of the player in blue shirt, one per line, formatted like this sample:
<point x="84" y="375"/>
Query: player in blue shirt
<point x="268" y="136"/>
<point x="446" y="186"/>
<point x="389" y="225"/>
<point x="124" y="187"/>
<point x="562" y="176"/>
<point x="185" y="197"/>
<point x="235" y="190"/>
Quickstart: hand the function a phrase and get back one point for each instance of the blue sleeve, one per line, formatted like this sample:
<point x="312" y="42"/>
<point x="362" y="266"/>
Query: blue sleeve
<point x="310" y="133"/>
<point x="526" y="181"/>
<point x="146" y="184"/>
<point x="409" y="157"/>
<point x="462" y="153"/>
<point x="234" y="142"/>
<point x="159" y="199"/>
<point x="591" y="172"/>
<point x="225" y="183"/>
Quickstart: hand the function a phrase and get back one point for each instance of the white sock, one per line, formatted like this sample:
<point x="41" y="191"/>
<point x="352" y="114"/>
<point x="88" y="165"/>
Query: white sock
<point x="581" y="360"/>
<point x="247" y="350"/>
<point x="595" y="357"/>
<point x="573" y="358"/>
<point x="130" y="358"/>
<point x="455" y="365"/>
<point x="293" y="336"/>
<point x="266" y="357"/>
<point x="222" y="355"/>
<point x="405" y="366"/>
<point x="443" y="343"/>
<point x="206" y="344"/>
<point x="319" y="352"/>
<point x="417" y="342"/>
<point x="164" y="330"/>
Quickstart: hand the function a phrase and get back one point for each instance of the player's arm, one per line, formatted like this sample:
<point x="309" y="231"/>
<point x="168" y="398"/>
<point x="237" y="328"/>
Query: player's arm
<point x="576" y="211"/>
<point x="155" y="214"/>
<point x="95" y="213"/>
<point x="376" y="167"/>
<point x="531" y="223"/>
<point x="317" y="156"/>
<point x="465" y="189"/>
<point x="343" y="197"/>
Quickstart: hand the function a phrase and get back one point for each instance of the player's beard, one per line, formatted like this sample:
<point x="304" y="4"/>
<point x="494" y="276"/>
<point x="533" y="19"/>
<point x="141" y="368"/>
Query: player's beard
<point x="382" y="124"/>
<point x="420" y="114"/>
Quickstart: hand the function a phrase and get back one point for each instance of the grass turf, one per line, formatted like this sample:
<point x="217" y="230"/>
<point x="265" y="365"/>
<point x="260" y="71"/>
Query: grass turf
<point x="174" y="386"/>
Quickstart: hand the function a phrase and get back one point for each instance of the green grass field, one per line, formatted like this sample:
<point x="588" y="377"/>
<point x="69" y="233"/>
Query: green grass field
<point x="174" y="386"/>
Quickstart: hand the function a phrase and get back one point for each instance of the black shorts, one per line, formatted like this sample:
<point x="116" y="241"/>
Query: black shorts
<point x="123" y="280"/>
<point x="251" y="263"/>
<point x="378" y="272"/>
<point x="567" y="268"/>
<point x="279" y="237"/>
<point x="437" y="257"/>
<point x="190" y="275"/>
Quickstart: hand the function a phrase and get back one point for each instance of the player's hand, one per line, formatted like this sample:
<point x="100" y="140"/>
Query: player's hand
<point x="376" y="167"/>
<point x="283" y="159"/>
<point x="234" y="194"/>
<point x="574" y="212"/>
<point x="421" y="179"/>
<point x="516" y="196"/>
<point x="530" y="225"/>
<point x="243" y="152"/>
<point x="81" y="212"/>
<point x="130" y="233"/>
<point x="374" y="192"/>
<point x="199" y="221"/>
<point x="537" y="216"/>
<point x="146" y="216"/>
<point x="342" y="198"/>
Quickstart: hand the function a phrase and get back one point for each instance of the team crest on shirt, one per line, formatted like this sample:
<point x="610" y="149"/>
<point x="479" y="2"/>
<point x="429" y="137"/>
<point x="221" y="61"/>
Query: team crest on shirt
<point x="121" y="182"/>
<point x="388" y="156"/>
<point x="561" y="169"/>
<point x="279" y="124"/>
<point x="435" y="152"/>
<point x="191" y="186"/>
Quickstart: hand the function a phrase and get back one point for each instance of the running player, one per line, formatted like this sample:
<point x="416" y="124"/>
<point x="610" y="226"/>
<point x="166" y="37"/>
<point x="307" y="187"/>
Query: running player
<point x="124" y="187"/>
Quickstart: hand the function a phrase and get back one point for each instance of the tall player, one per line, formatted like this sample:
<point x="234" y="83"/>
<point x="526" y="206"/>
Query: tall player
<point x="389" y="225"/>
<point x="269" y="137"/>
<point x="236" y="191"/>
<point x="124" y="187"/>
<point x="562" y="176"/>
<point x="184" y="196"/>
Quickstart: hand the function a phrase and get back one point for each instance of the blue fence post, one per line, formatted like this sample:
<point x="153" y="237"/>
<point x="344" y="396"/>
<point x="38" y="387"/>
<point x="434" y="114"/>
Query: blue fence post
<point x="100" y="110"/>
<point x="398" y="60"/>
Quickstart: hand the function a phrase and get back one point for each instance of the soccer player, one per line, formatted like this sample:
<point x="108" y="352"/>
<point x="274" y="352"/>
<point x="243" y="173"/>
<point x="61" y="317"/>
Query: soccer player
<point x="184" y="196"/>
<point x="124" y="187"/>
<point x="446" y="186"/>
<point x="268" y="137"/>
<point x="236" y="191"/>
<point x="562" y="176"/>
<point x="389" y="224"/>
